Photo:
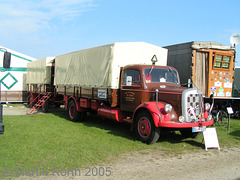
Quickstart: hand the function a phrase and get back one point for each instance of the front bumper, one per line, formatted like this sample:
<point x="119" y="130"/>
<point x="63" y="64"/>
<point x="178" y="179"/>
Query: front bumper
<point x="175" y="124"/>
<point x="1" y="128"/>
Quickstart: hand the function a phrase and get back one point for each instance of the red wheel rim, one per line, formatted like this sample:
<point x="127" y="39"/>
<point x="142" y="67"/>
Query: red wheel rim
<point x="144" y="127"/>
<point x="72" y="111"/>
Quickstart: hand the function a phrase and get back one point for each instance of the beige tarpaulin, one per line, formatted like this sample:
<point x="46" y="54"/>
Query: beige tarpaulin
<point x="100" y="66"/>
<point x="39" y="71"/>
<point x="210" y="45"/>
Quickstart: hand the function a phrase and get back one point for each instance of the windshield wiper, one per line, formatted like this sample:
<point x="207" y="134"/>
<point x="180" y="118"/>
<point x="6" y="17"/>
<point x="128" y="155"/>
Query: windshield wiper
<point x="150" y="71"/>
<point x="172" y="71"/>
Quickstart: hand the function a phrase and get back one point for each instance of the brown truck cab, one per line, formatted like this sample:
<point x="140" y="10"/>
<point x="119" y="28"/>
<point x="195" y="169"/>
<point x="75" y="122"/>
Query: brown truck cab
<point x="155" y="99"/>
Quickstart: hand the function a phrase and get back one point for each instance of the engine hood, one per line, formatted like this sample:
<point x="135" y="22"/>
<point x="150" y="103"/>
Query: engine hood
<point x="167" y="88"/>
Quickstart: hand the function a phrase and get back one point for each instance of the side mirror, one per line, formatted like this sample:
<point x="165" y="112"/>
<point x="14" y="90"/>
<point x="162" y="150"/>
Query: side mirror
<point x="6" y="60"/>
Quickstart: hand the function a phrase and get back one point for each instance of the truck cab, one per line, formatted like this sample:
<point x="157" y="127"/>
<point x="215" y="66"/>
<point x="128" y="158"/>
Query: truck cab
<point x="154" y="96"/>
<point x="139" y="80"/>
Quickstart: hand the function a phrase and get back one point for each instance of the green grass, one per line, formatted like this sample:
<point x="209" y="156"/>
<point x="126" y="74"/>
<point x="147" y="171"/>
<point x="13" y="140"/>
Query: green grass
<point x="47" y="141"/>
<point x="231" y="138"/>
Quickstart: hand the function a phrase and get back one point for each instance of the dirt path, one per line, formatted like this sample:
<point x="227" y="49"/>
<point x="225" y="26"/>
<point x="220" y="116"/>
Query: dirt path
<point x="154" y="164"/>
<point x="14" y="110"/>
<point x="150" y="164"/>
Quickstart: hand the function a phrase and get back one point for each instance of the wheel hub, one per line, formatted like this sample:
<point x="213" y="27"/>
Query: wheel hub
<point x="144" y="127"/>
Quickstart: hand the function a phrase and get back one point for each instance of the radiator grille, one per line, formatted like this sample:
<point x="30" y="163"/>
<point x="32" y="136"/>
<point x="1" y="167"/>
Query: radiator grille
<point x="192" y="105"/>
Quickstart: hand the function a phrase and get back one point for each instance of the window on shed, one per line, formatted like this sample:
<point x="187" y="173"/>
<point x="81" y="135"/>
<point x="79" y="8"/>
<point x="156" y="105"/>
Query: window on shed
<point x="221" y="61"/>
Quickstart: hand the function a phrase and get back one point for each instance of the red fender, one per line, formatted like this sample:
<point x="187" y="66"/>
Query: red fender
<point x="158" y="117"/>
<point x="67" y="98"/>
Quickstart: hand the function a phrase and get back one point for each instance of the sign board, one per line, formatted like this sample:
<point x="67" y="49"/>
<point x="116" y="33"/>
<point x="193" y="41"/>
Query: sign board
<point x="210" y="138"/>
<point x="230" y="110"/>
<point x="102" y="94"/>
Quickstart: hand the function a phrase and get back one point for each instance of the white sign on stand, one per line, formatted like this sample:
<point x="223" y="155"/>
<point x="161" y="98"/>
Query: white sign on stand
<point x="230" y="110"/>
<point x="210" y="138"/>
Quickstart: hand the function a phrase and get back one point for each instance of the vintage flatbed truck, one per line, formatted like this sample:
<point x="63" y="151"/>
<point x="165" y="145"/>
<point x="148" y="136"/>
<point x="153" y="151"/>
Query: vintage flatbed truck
<point x="118" y="81"/>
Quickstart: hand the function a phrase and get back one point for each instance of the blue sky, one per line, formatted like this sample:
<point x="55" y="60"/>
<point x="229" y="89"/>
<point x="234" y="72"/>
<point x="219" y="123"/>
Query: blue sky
<point x="41" y="28"/>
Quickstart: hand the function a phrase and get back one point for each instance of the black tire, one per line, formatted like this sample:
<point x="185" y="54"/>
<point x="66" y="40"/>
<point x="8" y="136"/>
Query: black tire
<point x="73" y="114"/>
<point x="45" y="106"/>
<point x="72" y="111"/>
<point x="222" y="118"/>
<point x="187" y="133"/>
<point x="145" y="129"/>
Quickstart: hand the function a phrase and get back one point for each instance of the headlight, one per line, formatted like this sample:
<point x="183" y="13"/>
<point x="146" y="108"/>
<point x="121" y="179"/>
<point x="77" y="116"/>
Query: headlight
<point x="168" y="108"/>
<point x="181" y="119"/>
<point x="209" y="117"/>
<point x="207" y="106"/>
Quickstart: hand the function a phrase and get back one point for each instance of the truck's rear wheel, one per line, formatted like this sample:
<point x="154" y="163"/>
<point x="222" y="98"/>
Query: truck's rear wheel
<point x="145" y="129"/>
<point x="73" y="114"/>
<point x="72" y="111"/>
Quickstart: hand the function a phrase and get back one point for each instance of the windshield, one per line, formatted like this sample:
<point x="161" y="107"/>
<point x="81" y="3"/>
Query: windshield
<point x="156" y="75"/>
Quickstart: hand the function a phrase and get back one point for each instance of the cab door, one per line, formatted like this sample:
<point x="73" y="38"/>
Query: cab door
<point x="131" y="89"/>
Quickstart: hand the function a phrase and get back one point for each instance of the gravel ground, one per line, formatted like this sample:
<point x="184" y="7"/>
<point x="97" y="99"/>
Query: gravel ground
<point x="12" y="110"/>
<point x="154" y="164"/>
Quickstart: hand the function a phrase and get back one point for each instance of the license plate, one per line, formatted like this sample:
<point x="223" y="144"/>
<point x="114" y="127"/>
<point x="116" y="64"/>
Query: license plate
<point x="199" y="129"/>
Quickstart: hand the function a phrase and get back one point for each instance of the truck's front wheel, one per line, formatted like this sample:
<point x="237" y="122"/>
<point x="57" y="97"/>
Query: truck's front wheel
<point x="145" y="129"/>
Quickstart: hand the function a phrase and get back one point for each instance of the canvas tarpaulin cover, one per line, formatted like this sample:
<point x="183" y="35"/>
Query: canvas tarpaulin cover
<point x="100" y="66"/>
<point x="210" y="45"/>
<point x="39" y="71"/>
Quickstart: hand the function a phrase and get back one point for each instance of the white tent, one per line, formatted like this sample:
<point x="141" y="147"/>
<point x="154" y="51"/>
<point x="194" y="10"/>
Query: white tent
<point x="13" y="80"/>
